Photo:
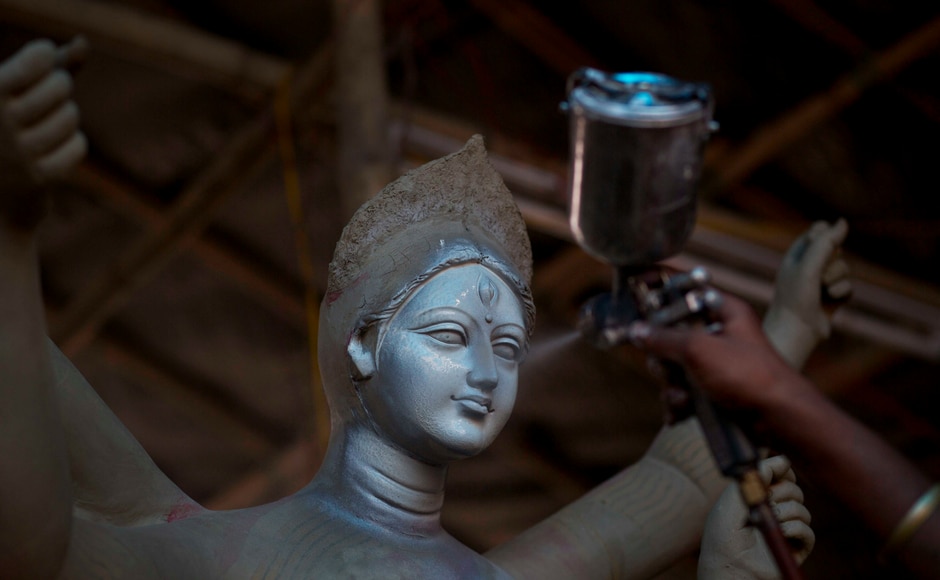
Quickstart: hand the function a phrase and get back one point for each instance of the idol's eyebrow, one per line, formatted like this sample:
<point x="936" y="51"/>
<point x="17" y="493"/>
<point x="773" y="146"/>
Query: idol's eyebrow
<point x="441" y="314"/>
<point x="513" y="328"/>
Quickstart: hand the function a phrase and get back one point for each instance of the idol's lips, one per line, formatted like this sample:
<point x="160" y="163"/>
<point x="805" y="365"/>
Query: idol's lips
<point x="480" y="403"/>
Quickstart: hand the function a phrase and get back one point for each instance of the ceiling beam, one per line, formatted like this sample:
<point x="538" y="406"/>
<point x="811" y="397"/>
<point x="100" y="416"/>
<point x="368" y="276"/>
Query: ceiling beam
<point x="722" y="249"/>
<point x="153" y="41"/>
<point x="278" y="297"/>
<point x="813" y="18"/>
<point x="252" y="435"/>
<point x="809" y="15"/>
<point x="530" y="28"/>
<point x="747" y="270"/>
<point x="770" y="140"/>
<point x="201" y="408"/>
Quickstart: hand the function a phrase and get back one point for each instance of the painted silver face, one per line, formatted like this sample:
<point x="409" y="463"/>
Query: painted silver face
<point x="447" y="365"/>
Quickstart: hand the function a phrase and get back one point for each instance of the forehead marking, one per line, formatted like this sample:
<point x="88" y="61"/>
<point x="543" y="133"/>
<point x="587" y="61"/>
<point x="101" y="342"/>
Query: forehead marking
<point x="488" y="293"/>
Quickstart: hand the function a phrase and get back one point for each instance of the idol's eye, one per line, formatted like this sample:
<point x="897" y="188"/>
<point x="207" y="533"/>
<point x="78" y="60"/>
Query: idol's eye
<point x="507" y="349"/>
<point x="447" y="335"/>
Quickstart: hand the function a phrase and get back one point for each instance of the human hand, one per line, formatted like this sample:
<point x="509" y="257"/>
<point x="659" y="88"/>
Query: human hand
<point x="813" y="277"/>
<point x="732" y="549"/>
<point x="738" y="367"/>
<point x="40" y="139"/>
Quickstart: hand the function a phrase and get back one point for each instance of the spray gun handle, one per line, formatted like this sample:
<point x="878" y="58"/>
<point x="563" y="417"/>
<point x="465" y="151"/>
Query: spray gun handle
<point x="733" y="451"/>
<point x="736" y="457"/>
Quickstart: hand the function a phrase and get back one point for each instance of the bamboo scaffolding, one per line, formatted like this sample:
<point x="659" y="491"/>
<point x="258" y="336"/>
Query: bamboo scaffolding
<point x="773" y="138"/>
<point x="532" y="29"/>
<point x="121" y="197"/>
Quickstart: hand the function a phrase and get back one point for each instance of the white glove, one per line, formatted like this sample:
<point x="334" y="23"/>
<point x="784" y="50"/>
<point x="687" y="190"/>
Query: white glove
<point x="812" y="268"/>
<point x="733" y="550"/>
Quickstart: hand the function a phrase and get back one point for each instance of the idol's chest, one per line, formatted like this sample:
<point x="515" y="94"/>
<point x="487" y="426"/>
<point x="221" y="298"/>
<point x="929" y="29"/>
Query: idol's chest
<point x="325" y="547"/>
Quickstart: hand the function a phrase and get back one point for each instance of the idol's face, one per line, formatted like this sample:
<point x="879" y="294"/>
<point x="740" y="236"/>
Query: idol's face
<point x="447" y="365"/>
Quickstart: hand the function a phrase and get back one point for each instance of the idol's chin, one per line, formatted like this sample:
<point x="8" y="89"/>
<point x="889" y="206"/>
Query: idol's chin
<point x="438" y="450"/>
<point x="464" y="447"/>
<point x="461" y="436"/>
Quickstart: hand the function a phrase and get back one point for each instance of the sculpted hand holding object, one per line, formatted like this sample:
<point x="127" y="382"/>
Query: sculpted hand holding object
<point x="39" y="136"/>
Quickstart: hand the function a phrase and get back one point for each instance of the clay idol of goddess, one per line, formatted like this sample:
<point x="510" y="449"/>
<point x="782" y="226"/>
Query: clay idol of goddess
<point x="424" y="324"/>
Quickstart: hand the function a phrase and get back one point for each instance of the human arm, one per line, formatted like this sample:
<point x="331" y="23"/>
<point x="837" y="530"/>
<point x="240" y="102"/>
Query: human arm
<point x="811" y="281"/>
<point x="846" y="457"/>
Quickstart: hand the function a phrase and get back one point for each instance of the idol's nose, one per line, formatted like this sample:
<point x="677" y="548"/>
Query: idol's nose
<point x="483" y="374"/>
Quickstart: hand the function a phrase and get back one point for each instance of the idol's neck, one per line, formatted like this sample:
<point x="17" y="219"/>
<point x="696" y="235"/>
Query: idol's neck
<point x="368" y="477"/>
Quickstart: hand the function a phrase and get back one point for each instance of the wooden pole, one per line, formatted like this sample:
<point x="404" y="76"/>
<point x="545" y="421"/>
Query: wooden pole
<point x="362" y="103"/>
<point x="771" y="139"/>
<point x="532" y="29"/>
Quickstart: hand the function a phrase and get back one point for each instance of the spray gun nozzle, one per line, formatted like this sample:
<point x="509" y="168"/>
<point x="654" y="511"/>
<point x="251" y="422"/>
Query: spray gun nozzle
<point x="605" y="321"/>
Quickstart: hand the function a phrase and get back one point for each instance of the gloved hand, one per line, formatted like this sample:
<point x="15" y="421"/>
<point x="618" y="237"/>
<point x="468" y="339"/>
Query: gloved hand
<point x="812" y="277"/>
<point x="733" y="550"/>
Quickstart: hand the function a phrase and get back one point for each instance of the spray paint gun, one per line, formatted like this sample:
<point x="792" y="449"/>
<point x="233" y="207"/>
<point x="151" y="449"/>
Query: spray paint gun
<point x="636" y="143"/>
<point x="636" y="147"/>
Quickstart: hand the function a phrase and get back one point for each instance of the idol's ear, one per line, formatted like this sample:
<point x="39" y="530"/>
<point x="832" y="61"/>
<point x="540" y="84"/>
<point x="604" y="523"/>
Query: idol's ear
<point x="361" y="353"/>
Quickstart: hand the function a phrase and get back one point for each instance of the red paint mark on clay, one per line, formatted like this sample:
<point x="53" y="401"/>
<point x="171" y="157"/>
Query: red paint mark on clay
<point x="182" y="511"/>
<point x="335" y="295"/>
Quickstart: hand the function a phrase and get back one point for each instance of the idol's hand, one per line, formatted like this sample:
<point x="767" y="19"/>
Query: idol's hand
<point x="812" y="278"/>
<point x="731" y="549"/>
<point x="40" y="139"/>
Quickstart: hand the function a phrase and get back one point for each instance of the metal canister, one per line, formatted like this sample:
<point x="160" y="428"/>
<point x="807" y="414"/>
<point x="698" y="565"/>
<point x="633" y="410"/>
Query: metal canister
<point x="636" y="145"/>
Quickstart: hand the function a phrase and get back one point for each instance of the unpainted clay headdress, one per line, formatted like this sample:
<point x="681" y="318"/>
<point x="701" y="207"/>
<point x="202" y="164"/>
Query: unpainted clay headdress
<point x="450" y="211"/>
<point x="461" y="187"/>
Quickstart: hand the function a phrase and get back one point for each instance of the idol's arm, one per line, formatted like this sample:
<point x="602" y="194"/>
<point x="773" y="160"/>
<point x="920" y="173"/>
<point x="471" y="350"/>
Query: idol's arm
<point x="634" y="525"/>
<point x="40" y="142"/>
<point x="114" y="479"/>
<point x="35" y="496"/>
<point x="35" y="499"/>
